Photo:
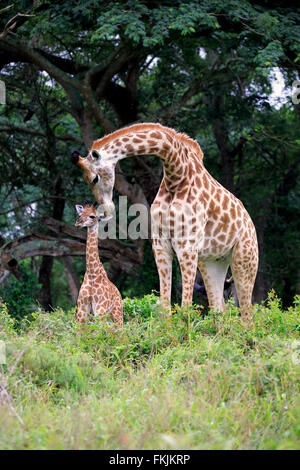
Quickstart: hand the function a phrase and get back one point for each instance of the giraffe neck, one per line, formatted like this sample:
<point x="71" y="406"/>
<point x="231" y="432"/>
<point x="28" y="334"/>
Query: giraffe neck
<point x="93" y="263"/>
<point x="161" y="142"/>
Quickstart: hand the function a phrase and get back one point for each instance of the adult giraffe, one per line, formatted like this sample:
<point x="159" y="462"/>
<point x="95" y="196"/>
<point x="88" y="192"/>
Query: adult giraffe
<point x="192" y="215"/>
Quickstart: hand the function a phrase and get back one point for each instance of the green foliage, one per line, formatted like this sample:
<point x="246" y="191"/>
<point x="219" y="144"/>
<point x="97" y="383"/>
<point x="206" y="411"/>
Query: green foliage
<point x="20" y="294"/>
<point x="59" y="285"/>
<point x="182" y="382"/>
<point x="6" y="321"/>
<point x="268" y="57"/>
<point x="151" y="26"/>
<point x="144" y="308"/>
<point x="192" y="380"/>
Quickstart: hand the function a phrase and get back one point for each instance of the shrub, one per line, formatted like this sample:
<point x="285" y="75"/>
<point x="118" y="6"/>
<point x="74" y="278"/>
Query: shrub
<point x="6" y="321"/>
<point x="144" y="308"/>
<point x="19" y="295"/>
<point x="187" y="381"/>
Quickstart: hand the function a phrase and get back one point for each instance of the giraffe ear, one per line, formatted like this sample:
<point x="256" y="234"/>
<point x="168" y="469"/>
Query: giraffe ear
<point x="79" y="209"/>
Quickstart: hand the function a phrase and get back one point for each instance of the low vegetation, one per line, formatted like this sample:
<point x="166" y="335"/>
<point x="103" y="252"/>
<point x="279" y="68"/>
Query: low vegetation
<point x="192" y="381"/>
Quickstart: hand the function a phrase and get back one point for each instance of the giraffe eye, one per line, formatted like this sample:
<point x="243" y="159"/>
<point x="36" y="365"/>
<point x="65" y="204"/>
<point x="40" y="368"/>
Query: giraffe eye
<point x="92" y="216"/>
<point x="95" y="154"/>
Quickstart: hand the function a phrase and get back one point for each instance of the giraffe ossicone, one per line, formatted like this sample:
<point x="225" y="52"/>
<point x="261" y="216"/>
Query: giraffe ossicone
<point x="97" y="295"/>
<point x="207" y="226"/>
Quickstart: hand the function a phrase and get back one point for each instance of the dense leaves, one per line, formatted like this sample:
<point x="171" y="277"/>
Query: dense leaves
<point x="76" y="70"/>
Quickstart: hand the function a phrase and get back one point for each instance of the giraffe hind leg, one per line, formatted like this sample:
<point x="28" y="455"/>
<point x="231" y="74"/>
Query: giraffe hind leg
<point x="244" y="268"/>
<point x="117" y="312"/>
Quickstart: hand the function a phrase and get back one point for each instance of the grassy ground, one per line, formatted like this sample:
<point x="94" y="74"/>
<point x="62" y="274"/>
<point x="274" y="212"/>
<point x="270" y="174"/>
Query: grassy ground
<point x="189" y="382"/>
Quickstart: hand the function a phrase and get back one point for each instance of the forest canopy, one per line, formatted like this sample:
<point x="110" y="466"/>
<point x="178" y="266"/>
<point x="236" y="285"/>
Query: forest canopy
<point x="77" y="70"/>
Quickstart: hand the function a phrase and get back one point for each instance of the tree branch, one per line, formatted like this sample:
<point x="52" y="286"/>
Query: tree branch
<point x="26" y="53"/>
<point x="30" y="131"/>
<point x="37" y="244"/>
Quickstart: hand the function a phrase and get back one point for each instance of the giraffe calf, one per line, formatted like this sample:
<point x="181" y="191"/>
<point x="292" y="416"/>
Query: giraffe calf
<point x="97" y="295"/>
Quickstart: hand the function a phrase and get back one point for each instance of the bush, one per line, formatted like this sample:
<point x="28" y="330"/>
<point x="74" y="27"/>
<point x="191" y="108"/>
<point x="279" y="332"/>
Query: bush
<point x="144" y="308"/>
<point x="186" y="381"/>
<point x="6" y="321"/>
<point x="19" y="295"/>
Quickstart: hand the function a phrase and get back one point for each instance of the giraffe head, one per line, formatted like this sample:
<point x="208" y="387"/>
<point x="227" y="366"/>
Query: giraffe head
<point x="139" y="139"/>
<point x="88" y="215"/>
<point x="99" y="173"/>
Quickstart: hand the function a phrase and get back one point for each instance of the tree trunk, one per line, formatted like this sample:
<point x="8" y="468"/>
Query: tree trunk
<point x="297" y="289"/>
<point x="220" y="131"/>
<point x="72" y="277"/>
<point x="44" y="295"/>
<point x="227" y="159"/>
<point x="262" y="284"/>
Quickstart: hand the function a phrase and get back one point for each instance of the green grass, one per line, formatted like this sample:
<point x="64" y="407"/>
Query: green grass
<point x="189" y="382"/>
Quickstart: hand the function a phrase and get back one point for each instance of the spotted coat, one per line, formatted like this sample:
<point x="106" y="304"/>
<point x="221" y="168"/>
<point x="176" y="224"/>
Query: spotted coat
<point x="97" y="295"/>
<point x="193" y="216"/>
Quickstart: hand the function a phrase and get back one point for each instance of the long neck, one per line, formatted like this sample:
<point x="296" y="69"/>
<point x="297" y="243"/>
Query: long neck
<point x="93" y="263"/>
<point x="159" y="142"/>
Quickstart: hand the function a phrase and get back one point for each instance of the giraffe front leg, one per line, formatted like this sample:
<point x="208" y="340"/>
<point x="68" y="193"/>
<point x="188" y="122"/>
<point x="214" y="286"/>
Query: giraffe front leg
<point x="117" y="310"/>
<point x="163" y="258"/>
<point x="244" y="265"/>
<point x="84" y="303"/>
<point x="83" y="307"/>
<point x="188" y="259"/>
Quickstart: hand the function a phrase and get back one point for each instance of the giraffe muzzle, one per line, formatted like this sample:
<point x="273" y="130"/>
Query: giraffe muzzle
<point x="105" y="217"/>
<point x="75" y="157"/>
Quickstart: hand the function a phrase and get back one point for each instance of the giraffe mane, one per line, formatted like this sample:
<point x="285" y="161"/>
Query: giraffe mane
<point x="146" y="127"/>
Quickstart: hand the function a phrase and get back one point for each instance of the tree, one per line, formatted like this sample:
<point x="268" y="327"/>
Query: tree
<point x="77" y="70"/>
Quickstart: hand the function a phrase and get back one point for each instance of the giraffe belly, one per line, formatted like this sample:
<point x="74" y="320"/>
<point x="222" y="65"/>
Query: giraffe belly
<point x="214" y="254"/>
<point x="217" y="243"/>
